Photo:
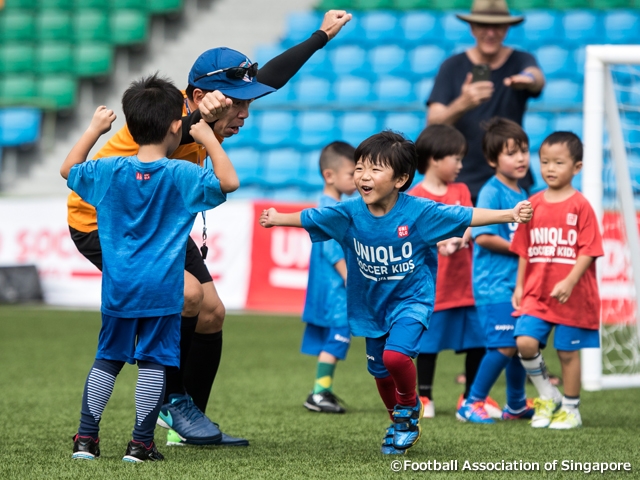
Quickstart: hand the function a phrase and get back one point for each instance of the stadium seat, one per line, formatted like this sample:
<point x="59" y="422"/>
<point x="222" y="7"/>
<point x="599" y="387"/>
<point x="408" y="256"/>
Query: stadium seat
<point x="347" y="59"/>
<point x="354" y="127"/>
<point x="128" y="27"/>
<point x="310" y="174"/>
<point x="350" y="90"/>
<point x="53" y="57"/>
<point x="60" y="90"/>
<point x="450" y="5"/>
<point x="61" y="4"/>
<point x="17" y="89"/>
<point x="161" y="7"/>
<point x="279" y="97"/>
<point x="318" y="64"/>
<point x="92" y="59"/>
<point x="103" y="4"/>
<point x="542" y="27"/>
<point x="53" y="25"/>
<point x="248" y="165"/>
<point x="394" y="91"/>
<point x="91" y="24"/>
<point x="16" y="57"/>
<point x="16" y="25"/>
<point x="372" y="4"/>
<point x="571" y="122"/>
<point x="555" y="61"/>
<point x="300" y="25"/>
<point x="612" y="4"/>
<point x="19" y="126"/>
<point x="325" y="5"/>
<point x="579" y="57"/>
<point x="423" y="89"/>
<point x="537" y="127"/>
<point x="568" y="4"/>
<point x="387" y="59"/>
<point x="560" y="94"/>
<point x="409" y="124"/>
<point x="582" y="27"/>
<point x="622" y="27"/>
<point x="380" y="28"/>
<point x="426" y="60"/>
<point x="420" y="27"/>
<point x="129" y="4"/>
<point x="454" y="30"/>
<point x="316" y="128"/>
<point x="534" y="167"/>
<point x="267" y="52"/>
<point x="275" y="128"/>
<point x="16" y="4"/>
<point x="310" y="90"/>
<point x="412" y="4"/>
<point x="281" y="167"/>
<point x="529" y="4"/>
<point x="350" y="33"/>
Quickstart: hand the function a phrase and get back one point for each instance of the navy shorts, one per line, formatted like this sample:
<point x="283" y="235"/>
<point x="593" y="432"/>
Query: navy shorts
<point x="456" y="329"/>
<point x="566" y="338"/>
<point x="333" y="340"/>
<point x="404" y="337"/>
<point x="498" y="324"/>
<point x="150" y="339"/>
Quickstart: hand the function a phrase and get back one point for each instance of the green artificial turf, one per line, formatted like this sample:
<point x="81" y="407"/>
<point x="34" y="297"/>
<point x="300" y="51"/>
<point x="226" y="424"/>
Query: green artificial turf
<point x="263" y="380"/>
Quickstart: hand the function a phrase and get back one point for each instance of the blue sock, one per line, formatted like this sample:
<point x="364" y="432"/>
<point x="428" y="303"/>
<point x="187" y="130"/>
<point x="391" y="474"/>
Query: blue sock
<point x="97" y="390"/>
<point x="149" y="397"/>
<point x="516" y="378"/>
<point x="490" y="369"/>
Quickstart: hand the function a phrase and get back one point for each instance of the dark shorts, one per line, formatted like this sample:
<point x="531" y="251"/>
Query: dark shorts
<point x="88" y="244"/>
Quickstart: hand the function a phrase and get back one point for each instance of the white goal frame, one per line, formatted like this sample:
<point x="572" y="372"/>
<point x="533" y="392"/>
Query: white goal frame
<point x="600" y="103"/>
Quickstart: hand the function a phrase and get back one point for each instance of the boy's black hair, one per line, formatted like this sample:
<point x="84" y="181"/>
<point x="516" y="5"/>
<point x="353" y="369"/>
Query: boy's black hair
<point x="390" y="149"/>
<point x="189" y="91"/>
<point x="570" y="139"/>
<point x="334" y="153"/>
<point x="437" y="142"/>
<point x="150" y="105"/>
<point x="498" y="132"/>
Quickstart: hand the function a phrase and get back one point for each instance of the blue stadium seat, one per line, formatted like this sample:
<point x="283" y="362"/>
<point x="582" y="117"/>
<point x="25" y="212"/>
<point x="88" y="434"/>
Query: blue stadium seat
<point x="423" y="90"/>
<point x="555" y="61"/>
<point x="300" y="25"/>
<point x="248" y="165"/>
<point x="542" y="27"/>
<point x="278" y="97"/>
<point x="560" y="94"/>
<point x="380" y="27"/>
<point x="356" y="126"/>
<point x="579" y="56"/>
<point x="281" y="167"/>
<point x="622" y="27"/>
<point x="425" y="60"/>
<point x="352" y="90"/>
<point x="310" y="164"/>
<point x="582" y="27"/>
<point x="316" y="128"/>
<point x="394" y="91"/>
<point x="455" y="31"/>
<point x="387" y="59"/>
<point x="312" y="91"/>
<point x="537" y="127"/>
<point x="318" y="64"/>
<point x="275" y="128"/>
<point x="265" y="53"/>
<point x="248" y="192"/>
<point x="410" y="124"/>
<point x="347" y="59"/>
<point x="568" y="122"/>
<point x="19" y="126"/>
<point x="350" y="33"/>
<point x="534" y="166"/>
<point x="421" y="27"/>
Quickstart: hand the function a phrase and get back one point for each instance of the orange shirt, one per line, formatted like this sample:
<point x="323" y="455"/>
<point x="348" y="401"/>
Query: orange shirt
<point x="81" y="215"/>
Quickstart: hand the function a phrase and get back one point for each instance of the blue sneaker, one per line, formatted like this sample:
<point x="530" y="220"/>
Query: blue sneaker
<point x="387" y="443"/>
<point x="406" y="421"/>
<point x="525" y="413"/>
<point x="473" y="412"/>
<point x="182" y="415"/>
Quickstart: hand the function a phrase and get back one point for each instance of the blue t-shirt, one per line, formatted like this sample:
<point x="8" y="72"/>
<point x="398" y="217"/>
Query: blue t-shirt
<point x="145" y="214"/>
<point x="326" y="301"/>
<point x="391" y="260"/>
<point x="494" y="274"/>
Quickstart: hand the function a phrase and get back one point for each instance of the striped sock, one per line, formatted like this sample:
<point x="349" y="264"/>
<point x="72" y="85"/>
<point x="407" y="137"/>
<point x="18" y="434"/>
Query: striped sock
<point x="97" y="391"/>
<point x="149" y="396"/>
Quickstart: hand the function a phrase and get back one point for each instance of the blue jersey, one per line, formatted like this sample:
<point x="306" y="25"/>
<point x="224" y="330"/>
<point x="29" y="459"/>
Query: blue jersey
<point x="326" y="301"/>
<point x="494" y="274"/>
<point x="145" y="214"/>
<point x="391" y="260"/>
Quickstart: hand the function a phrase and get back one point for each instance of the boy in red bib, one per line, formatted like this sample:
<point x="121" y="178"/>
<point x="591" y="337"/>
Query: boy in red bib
<point x="556" y="285"/>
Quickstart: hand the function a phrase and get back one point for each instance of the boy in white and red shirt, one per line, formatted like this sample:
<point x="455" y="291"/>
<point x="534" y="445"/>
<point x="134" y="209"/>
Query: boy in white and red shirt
<point x="556" y="285"/>
<point x="454" y="324"/>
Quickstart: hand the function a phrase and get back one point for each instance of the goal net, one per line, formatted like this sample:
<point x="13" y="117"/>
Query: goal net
<point x="611" y="182"/>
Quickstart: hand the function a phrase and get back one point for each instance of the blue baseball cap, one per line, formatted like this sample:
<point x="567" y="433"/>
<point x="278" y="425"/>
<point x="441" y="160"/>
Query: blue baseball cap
<point x="219" y="60"/>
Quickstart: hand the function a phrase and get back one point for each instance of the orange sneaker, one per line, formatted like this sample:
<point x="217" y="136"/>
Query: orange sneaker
<point x="492" y="408"/>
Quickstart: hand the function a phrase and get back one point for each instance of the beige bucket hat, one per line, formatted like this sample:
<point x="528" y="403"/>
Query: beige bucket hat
<point x="493" y="12"/>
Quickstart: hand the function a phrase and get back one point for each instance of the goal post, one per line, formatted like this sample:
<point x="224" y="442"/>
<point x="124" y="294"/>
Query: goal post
<point x="612" y="202"/>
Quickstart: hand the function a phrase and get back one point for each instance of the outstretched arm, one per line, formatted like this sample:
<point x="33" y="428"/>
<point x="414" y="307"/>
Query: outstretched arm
<point x="273" y="218"/>
<point x="521" y="213"/>
<point x="100" y="124"/>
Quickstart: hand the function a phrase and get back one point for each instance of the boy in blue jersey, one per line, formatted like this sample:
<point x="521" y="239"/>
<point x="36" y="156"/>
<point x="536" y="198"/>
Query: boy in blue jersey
<point x="506" y="148"/>
<point x="146" y="207"/>
<point x="389" y="240"/>
<point x="327" y="335"/>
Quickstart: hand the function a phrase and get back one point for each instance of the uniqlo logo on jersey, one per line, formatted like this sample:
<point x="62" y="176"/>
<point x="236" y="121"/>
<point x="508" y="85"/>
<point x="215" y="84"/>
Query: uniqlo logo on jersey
<point x="140" y="176"/>
<point x="572" y="219"/>
<point x="403" y="231"/>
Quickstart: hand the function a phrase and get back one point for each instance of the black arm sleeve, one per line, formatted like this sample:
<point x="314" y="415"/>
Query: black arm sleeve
<point x="279" y="70"/>
<point x="187" y="121"/>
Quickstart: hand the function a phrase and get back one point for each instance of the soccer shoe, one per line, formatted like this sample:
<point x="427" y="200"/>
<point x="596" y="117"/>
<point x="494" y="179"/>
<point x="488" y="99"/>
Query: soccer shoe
<point x="387" y="443"/>
<point x="406" y="422"/>
<point x="175" y="440"/>
<point x="565" y="419"/>
<point x="85" y="448"/>
<point x="525" y="413"/>
<point x="429" y="407"/>
<point x="544" y="411"/>
<point x="473" y="412"/>
<point x="182" y="415"/>
<point x="138" y="453"/>
<point x="325" y="402"/>
<point x="492" y="408"/>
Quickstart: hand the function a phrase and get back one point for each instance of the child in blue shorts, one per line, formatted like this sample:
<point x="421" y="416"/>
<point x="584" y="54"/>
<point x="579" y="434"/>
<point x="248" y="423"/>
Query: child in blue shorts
<point x="389" y="240"/>
<point x="326" y="334"/>
<point x="557" y="285"/>
<point x="146" y="207"/>
<point x="506" y="148"/>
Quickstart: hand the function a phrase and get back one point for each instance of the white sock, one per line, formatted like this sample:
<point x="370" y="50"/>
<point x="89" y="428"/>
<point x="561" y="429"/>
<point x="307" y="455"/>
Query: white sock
<point x="537" y="371"/>
<point x="570" y="403"/>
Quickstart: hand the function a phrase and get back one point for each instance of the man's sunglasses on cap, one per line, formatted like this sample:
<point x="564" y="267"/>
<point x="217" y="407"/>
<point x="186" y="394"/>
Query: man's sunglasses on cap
<point x="234" y="73"/>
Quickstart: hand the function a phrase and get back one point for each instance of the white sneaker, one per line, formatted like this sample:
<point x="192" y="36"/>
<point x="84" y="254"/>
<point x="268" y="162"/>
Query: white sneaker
<point x="565" y="419"/>
<point x="544" y="412"/>
<point x="429" y="408"/>
<point x="492" y="408"/>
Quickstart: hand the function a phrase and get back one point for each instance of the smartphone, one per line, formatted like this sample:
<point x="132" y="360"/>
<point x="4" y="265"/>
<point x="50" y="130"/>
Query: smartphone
<point x="481" y="73"/>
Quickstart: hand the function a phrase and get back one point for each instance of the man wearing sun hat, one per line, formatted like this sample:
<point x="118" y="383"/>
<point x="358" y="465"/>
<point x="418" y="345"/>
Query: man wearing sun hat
<point x="456" y="100"/>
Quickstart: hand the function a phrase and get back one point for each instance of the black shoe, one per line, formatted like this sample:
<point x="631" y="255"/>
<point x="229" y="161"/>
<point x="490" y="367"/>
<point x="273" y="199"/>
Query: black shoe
<point x="85" y="448"/>
<point x="325" y="402"/>
<point x="138" y="453"/>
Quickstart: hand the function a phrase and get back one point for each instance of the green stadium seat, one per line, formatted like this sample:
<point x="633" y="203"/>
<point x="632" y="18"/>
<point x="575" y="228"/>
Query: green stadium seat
<point x="16" y="57"/>
<point x="53" y="57"/>
<point x="92" y="59"/>
<point x="16" y="25"/>
<point x="103" y="4"/>
<point x="129" y="27"/>
<point x="527" y="4"/>
<point x="325" y="5"/>
<point x="372" y="4"/>
<point x="91" y="24"/>
<point x="610" y="4"/>
<point x="13" y="4"/>
<point x="53" y="25"/>
<point x="129" y="4"/>
<point x="61" y="4"/>
<point x="17" y="89"/>
<point x="164" y="6"/>
<point x="450" y="4"/>
<point x="59" y="90"/>
<point x="412" y="4"/>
